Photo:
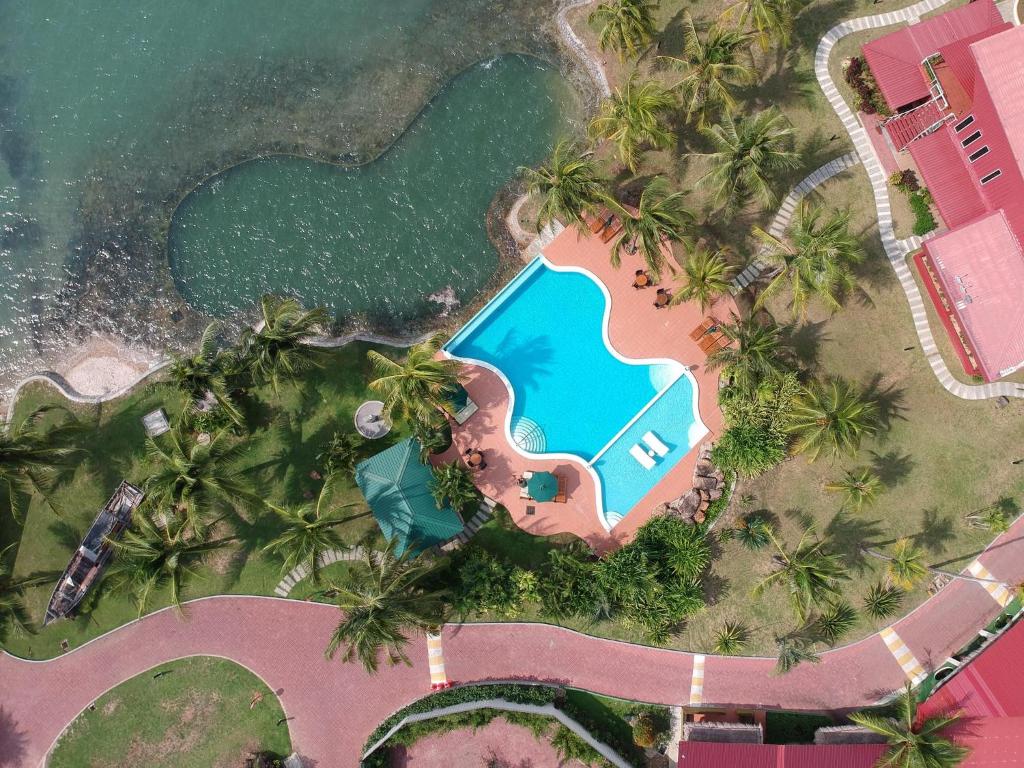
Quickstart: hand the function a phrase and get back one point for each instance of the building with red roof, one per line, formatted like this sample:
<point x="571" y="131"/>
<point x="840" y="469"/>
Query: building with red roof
<point x="705" y="754"/>
<point x="955" y="83"/>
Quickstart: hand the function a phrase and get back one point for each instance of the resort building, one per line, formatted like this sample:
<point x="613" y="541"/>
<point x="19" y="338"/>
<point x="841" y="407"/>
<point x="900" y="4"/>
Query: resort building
<point x="955" y="85"/>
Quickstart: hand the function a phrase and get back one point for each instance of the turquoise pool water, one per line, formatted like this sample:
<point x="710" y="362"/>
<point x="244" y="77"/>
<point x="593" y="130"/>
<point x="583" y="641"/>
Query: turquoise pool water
<point x="572" y="394"/>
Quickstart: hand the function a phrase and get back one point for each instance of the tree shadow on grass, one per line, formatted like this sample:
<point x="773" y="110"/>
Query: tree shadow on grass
<point x="847" y="534"/>
<point x="889" y="400"/>
<point x="892" y="467"/>
<point x="936" y="531"/>
<point x="805" y="340"/>
<point x="804" y="519"/>
<point x="812" y="23"/>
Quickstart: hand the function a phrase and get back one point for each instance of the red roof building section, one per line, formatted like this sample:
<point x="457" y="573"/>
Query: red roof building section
<point x="895" y="59"/>
<point x="703" y="754"/>
<point x="975" y="175"/>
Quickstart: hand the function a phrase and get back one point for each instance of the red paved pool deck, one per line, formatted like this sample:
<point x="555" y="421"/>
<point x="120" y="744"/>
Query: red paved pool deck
<point x="636" y="330"/>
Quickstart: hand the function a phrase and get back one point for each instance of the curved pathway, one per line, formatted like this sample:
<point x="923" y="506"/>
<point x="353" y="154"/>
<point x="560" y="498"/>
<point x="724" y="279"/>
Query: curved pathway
<point x="333" y="707"/>
<point x="896" y="250"/>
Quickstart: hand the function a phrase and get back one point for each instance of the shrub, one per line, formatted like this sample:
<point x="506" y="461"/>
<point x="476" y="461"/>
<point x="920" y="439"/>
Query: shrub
<point x="645" y="731"/>
<point x="905" y="180"/>
<point x="570" y="587"/>
<point x="920" y="204"/>
<point x="835" y="622"/>
<point x="341" y="453"/>
<point x="860" y="79"/>
<point x="572" y="747"/>
<point x="749" y="449"/>
<point x="753" y="531"/>
<point x="483" y="583"/>
<point x="731" y="638"/>
<point x="453" y="483"/>
<point x="883" y="601"/>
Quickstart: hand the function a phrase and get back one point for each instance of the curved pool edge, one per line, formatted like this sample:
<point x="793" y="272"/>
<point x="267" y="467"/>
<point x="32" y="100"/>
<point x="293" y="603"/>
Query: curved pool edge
<point x="681" y="369"/>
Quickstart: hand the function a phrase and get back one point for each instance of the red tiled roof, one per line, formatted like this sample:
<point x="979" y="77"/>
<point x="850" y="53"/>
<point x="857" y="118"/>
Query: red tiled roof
<point x="957" y="194"/>
<point x="981" y="266"/>
<point x="702" y="754"/>
<point x="960" y="58"/>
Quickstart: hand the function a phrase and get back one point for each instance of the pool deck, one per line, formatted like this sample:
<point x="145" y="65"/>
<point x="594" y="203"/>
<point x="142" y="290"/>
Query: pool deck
<point x="636" y="330"/>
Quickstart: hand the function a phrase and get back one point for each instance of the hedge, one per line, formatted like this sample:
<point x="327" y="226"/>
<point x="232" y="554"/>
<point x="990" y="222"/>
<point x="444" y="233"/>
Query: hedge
<point x="924" y="221"/>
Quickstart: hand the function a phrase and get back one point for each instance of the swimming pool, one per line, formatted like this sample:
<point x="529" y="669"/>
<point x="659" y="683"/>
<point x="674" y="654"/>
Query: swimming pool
<point x="573" y="396"/>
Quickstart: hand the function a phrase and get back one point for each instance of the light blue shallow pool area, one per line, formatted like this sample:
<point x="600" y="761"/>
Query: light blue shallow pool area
<point x="545" y="335"/>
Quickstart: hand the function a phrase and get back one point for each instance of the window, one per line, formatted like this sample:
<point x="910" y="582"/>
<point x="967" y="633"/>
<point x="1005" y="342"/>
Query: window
<point x="979" y="153"/>
<point x="963" y="123"/>
<point x="989" y="176"/>
<point x="971" y="139"/>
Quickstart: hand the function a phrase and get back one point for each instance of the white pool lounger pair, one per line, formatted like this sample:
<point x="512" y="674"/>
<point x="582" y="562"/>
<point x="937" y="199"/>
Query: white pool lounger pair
<point x="645" y="458"/>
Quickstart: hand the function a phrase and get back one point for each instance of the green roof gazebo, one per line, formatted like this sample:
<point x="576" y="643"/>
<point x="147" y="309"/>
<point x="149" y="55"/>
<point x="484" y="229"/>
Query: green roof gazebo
<point x="397" y="488"/>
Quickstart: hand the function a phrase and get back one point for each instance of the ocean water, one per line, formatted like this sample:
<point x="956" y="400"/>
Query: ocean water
<point x="112" y="111"/>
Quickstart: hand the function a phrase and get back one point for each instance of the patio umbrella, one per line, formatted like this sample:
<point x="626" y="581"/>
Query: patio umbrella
<point x="543" y="486"/>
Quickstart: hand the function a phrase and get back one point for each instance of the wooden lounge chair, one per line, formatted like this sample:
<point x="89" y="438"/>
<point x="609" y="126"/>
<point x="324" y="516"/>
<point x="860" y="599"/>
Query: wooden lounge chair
<point x="598" y="222"/>
<point x="613" y="229"/>
<point x="697" y="333"/>
<point x="707" y="344"/>
<point x="560" y="496"/>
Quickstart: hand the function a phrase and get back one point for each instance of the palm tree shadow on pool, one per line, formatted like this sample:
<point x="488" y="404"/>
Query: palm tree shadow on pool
<point x="532" y="357"/>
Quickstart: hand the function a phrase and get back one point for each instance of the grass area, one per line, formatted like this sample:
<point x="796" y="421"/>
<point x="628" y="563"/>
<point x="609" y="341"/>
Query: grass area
<point x="196" y="714"/>
<point x="793" y="727"/>
<point x="610" y="717"/>
<point x="289" y="430"/>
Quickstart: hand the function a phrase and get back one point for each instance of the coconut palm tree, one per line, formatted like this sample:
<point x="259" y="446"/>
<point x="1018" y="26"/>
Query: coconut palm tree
<point x="906" y="566"/>
<point x="452" y="483"/>
<point x="206" y="372"/>
<point x="793" y="650"/>
<point x="277" y="350"/>
<point x="705" y="277"/>
<point x="627" y="26"/>
<point x="769" y="19"/>
<point x="418" y="387"/>
<point x="311" y="530"/>
<point x="810" y="574"/>
<point x="191" y="481"/>
<point x="816" y="254"/>
<point x="832" y="417"/>
<point x="661" y="218"/>
<point x="567" y="186"/>
<point x="381" y="604"/>
<point x="712" y="67"/>
<point x="731" y="639"/>
<point x="754" y="355"/>
<point x="634" y="117"/>
<point x="33" y="453"/>
<point x="914" y="742"/>
<point x="746" y="152"/>
<point x="149" y="557"/>
<point x="860" y="487"/>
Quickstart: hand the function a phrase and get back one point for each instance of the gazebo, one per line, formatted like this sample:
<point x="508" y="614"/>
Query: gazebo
<point x="397" y="488"/>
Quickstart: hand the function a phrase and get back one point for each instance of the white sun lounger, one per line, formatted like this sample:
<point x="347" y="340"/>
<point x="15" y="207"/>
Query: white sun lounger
<point x="641" y="456"/>
<point x="655" y="444"/>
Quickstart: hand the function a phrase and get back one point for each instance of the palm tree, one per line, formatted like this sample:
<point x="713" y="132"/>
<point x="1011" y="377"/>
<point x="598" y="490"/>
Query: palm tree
<point x="380" y="604"/>
<point x="747" y="151"/>
<point x="753" y="531"/>
<point x="705" y="277"/>
<point x="833" y="417"/>
<point x="33" y="454"/>
<point x="770" y="19"/>
<point x="883" y="600"/>
<point x="913" y="741"/>
<point x="190" y="480"/>
<point x="452" y="483"/>
<point x="860" y="486"/>
<point x="420" y="386"/>
<point x="277" y="350"/>
<point x="816" y="255"/>
<point x="634" y="116"/>
<point x="311" y="531"/>
<point x="906" y="565"/>
<point x="711" y="68"/>
<point x="835" y="622"/>
<point x="567" y="185"/>
<point x="754" y="354"/>
<point x="206" y="372"/>
<point x="793" y="650"/>
<point x="731" y="638"/>
<point x="661" y="217"/>
<point x="627" y="26"/>
<point x="809" y="573"/>
<point x="149" y="557"/>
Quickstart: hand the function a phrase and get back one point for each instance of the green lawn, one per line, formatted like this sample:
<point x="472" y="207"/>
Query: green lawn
<point x="288" y="432"/>
<point x="197" y="714"/>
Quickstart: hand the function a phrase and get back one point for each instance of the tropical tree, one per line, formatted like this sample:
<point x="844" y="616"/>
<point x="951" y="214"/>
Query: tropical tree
<point x="816" y="255"/>
<point x="192" y="481"/>
<point x="914" y="742"/>
<point x="149" y="557"/>
<point x="809" y="573"/>
<point x="792" y="650"/>
<point x="753" y="531"/>
<point x="860" y="487"/>
<point x="833" y="417"/>
<point x="731" y="639"/>
<point x="277" y="350"/>
<point x="634" y="117"/>
<point x="206" y="373"/>
<point x="627" y="26"/>
<point x="311" y="530"/>
<point x="567" y="185"/>
<point x="419" y="386"/>
<point x="769" y="19"/>
<point x="380" y="604"/>
<point x="835" y="622"/>
<point x="746" y="152"/>
<point x="883" y="600"/>
<point x="661" y="217"/>
<point x="753" y="355"/>
<point x="341" y="454"/>
<point x="906" y="566"/>
<point x="712" y="67"/>
<point x="33" y="453"/>
<point x="452" y="483"/>
<point x="705" y="277"/>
